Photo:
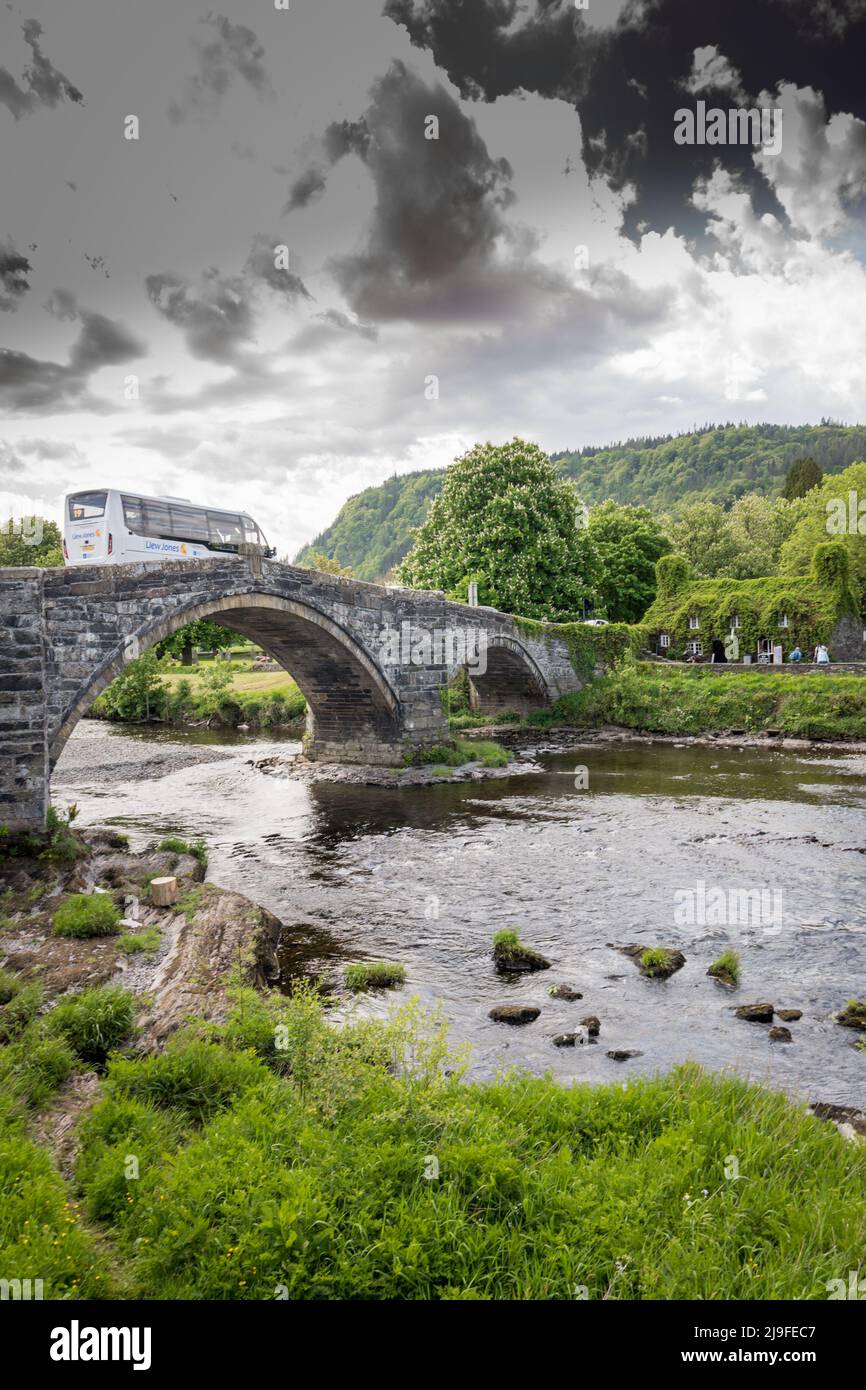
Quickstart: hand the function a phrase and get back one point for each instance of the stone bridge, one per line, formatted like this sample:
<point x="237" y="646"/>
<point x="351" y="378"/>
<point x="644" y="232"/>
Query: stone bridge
<point x="370" y="659"/>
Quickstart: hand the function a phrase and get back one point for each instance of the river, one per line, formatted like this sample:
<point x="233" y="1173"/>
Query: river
<point x="426" y="876"/>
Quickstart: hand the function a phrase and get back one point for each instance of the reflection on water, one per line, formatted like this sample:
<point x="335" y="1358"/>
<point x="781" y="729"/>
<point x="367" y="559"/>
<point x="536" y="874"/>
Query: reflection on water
<point x="426" y="875"/>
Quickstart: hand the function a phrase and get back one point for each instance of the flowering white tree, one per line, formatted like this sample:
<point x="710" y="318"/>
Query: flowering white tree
<point x="505" y="519"/>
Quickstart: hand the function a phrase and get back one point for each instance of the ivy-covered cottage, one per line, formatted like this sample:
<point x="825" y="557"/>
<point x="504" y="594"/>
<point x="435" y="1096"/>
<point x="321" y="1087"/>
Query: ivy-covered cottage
<point x="690" y="615"/>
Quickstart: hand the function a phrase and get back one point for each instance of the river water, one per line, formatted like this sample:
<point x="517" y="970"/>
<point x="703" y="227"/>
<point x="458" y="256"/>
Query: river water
<point x="426" y="875"/>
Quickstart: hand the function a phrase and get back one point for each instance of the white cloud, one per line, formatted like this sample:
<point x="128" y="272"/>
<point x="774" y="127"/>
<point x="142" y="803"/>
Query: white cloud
<point x="822" y="165"/>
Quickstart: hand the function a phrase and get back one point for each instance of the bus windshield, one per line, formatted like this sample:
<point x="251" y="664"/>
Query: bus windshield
<point x="84" y="506"/>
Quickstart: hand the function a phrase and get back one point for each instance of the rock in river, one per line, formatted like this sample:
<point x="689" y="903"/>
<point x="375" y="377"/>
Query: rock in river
<point x="511" y="957"/>
<point x="789" y="1015"/>
<point x="564" y="992"/>
<point x="514" y="1013"/>
<point x="756" y="1013"/>
<point x="853" y="1015"/>
<point x="656" y="962"/>
<point x="592" y="1025"/>
<point x="778" y="1034"/>
<point x="622" y="1054"/>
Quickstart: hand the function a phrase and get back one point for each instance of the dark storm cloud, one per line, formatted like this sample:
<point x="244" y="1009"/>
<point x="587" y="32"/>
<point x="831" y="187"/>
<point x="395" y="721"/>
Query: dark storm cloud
<point x="626" y="80"/>
<point x="215" y="315"/>
<point x="261" y="265"/>
<point x="439" y="245"/>
<point x="31" y="384"/>
<point x="42" y="84"/>
<point x="233" y="53"/>
<point x="14" y="284"/>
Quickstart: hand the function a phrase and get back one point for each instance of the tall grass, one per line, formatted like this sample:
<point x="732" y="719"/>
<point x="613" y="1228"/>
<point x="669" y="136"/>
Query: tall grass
<point x="278" y="1153"/>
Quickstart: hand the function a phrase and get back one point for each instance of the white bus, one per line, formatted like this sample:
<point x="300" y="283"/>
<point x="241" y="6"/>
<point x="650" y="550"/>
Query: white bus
<point x="105" y="526"/>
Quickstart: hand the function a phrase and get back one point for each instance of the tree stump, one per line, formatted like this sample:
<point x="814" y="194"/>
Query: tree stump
<point x="163" y="891"/>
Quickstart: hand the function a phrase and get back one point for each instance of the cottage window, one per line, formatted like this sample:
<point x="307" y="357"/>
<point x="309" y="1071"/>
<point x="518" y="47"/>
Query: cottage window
<point x="665" y="641"/>
<point x="694" y="649"/>
<point x="735" y="622"/>
<point x="783" y="620"/>
<point x="694" y="622"/>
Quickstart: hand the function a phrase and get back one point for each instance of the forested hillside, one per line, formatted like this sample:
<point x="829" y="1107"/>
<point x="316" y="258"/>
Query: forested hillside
<point x="716" y="464"/>
<point x="373" y="530"/>
<point x="719" y="463"/>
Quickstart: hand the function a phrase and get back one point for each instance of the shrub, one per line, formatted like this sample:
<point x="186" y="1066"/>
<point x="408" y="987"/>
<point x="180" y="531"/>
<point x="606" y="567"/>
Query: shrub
<point x="376" y="974"/>
<point x="192" y="1075"/>
<point x="10" y="985"/>
<point x="85" y="915"/>
<point x="19" y="1010"/>
<point x="45" y="1066"/>
<point x="95" y="1021"/>
<point x="508" y="939"/>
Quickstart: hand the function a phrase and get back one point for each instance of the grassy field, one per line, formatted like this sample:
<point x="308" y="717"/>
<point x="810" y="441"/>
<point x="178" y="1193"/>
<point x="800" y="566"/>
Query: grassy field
<point x="244" y="683"/>
<point x="275" y="1153"/>
<point x="648" y="697"/>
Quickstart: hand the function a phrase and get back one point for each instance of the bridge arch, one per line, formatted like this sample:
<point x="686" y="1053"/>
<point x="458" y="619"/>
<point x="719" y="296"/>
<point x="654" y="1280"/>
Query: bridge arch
<point x="353" y="710"/>
<point x="511" y="679"/>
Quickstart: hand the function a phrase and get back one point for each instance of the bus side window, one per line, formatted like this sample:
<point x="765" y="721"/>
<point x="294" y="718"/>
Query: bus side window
<point x="225" y="529"/>
<point x="132" y="515"/>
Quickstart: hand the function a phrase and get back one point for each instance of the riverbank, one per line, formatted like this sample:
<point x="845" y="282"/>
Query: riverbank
<point x="648" y="698"/>
<point x="358" y="1161"/>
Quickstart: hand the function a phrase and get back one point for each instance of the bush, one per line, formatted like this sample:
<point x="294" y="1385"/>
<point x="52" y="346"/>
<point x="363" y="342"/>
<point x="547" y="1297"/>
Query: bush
<point x="95" y="1021"/>
<point x="139" y="943"/>
<point x="376" y="974"/>
<point x="198" y="849"/>
<point x="192" y="1075"/>
<point x="17" y="1012"/>
<point x="45" y="1066"/>
<point x="87" y="914"/>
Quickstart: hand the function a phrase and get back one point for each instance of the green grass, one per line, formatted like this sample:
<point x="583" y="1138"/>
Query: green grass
<point x="655" y="958"/>
<point x="374" y="974"/>
<point x="94" y="1022"/>
<point x="647" y="697"/>
<point x="87" y="914"/>
<point x="728" y="964"/>
<point x="140" y="943"/>
<point x="197" y="848"/>
<point x="444" y="756"/>
<point x="307" y="1167"/>
<point x="508" y="939"/>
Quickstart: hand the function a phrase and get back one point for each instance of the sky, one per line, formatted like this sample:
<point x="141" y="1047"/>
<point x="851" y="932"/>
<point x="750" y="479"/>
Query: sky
<point x="355" y="237"/>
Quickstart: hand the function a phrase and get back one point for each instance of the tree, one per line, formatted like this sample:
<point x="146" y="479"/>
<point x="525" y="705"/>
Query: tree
<point x="202" y="633"/>
<point x="700" y="532"/>
<point x="627" y="541"/>
<point x="31" y="541"/>
<point x="835" y="510"/>
<point x="802" y="476"/>
<point x="505" y="519"/>
<point x="138" y="692"/>
<point x="317" y="560"/>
